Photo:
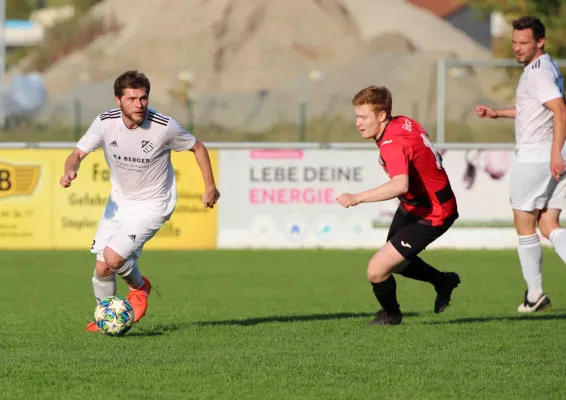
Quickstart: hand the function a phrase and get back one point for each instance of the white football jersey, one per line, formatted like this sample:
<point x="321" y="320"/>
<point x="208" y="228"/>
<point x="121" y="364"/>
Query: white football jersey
<point x="540" y="82"/>
<point x="141" y="172"/>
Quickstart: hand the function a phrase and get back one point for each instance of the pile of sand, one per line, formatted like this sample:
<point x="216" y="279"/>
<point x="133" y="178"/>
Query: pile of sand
<point x="225" y="44"/>
<point x="235" y="48"/>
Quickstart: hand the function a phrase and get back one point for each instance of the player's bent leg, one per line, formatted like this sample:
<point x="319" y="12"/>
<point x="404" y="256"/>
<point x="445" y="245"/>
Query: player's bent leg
<point x="140" y="287"/>
<point x="124" y="248"/>
<point x="550" y="227"/>
<point x="139" y="293"/>
<point x="379" y="273"/>
<point x="384" y="262"/>
<point x="126" y="267"/>
<point x="444" y="282"/>
<point x="410" y="241"/>
<point x="449" y="282"/>
<point x="530" y="257"/>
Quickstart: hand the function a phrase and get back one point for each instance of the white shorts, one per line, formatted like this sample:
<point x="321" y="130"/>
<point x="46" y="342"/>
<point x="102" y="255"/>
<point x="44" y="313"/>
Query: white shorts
<point x="532" y="187"/>
<point x="125" y="232"/>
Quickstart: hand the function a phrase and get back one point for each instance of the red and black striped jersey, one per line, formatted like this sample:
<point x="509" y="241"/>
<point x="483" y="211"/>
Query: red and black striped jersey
<point x="405" y="149"/>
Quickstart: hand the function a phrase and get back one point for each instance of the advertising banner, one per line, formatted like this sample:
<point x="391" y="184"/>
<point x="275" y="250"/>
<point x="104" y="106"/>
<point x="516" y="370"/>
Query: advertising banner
<point x="25" y="199"/>
<point x="36" y="212"/>
<point x="286" y="198"/>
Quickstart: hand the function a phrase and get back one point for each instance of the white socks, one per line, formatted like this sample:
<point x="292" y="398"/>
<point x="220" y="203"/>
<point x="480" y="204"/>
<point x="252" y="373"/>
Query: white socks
<point x="131" y="273"/>
<point x="530" y="256"/>
<point x="558" y="239"/>
<point x="103" y="286"/>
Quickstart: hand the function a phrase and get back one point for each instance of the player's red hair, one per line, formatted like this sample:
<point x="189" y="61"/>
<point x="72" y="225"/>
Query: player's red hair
<point x="379" y="98"/>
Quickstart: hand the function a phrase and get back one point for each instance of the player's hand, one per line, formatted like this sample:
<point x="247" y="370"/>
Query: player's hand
<point x="556" y="166"/>
<point x="347" y="200"/>
<point x="66" y="179"/>
<point x="210" y="197"/>
<point x="485" y="112"/>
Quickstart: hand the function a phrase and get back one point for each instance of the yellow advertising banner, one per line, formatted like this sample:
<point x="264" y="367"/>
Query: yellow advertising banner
<point x="37" y="213"/>
<point x="25" y="199"/>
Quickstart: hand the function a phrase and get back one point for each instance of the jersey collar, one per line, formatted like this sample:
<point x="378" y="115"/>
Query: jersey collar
<point x="379" y="139"/>
<point x="544" y="55"/>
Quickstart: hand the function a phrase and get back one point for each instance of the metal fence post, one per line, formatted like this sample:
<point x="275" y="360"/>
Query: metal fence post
<point x="440" y="101"/>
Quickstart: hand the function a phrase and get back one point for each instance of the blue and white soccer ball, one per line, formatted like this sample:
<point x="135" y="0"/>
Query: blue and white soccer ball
<point x="114" y="316"/>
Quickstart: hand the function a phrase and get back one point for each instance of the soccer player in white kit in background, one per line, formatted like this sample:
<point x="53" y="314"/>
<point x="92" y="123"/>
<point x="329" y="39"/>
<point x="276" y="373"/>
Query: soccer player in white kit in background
<point x="538" y="184"/>
<point x="137" y="144"/>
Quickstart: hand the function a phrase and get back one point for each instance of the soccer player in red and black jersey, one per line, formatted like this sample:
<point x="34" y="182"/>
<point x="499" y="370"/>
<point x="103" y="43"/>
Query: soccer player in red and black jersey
<point x="427" y="204"/>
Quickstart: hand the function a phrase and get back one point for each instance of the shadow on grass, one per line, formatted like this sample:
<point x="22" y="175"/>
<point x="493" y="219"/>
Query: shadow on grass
<point x="159" y="330"/>
<point x="518" y="318"/>
<point x="290" y="318"/>
<point x="149" y="332"/>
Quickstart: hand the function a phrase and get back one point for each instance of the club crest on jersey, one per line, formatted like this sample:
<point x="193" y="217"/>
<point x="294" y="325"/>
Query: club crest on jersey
<point x="147" y="146"/>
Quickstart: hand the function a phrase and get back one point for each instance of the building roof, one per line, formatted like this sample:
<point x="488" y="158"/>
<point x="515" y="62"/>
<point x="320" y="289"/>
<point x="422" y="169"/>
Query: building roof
<point x="442" y="8"/>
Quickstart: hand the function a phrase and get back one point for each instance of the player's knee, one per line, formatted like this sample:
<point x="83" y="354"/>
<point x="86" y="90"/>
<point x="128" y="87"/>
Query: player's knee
<point x="376" y="275"/>
<point x="102" y="270"/>
<point x="546" y="227"/>
<point x="544" y="230"/>
<point x="113" y="260"/>
<point x="525" y="222"/>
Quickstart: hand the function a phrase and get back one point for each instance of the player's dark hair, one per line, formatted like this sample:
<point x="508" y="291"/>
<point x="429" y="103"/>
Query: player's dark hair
<point x="130" y="80"/>
<point x="379" y="98"/>
<point x="532" y="23"/>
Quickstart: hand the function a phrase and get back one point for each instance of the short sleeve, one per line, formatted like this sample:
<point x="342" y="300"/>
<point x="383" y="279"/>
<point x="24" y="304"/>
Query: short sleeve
<point x="543" y="86"/>
<point x="93" y="138"/>
<point x="395" y="157"/>
<point x="178" y="139"/>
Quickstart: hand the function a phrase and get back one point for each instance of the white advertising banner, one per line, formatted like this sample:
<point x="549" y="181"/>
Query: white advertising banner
<point x="286" y="199"/>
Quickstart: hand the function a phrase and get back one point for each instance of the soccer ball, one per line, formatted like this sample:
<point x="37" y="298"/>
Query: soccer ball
<point x="114" y="316"/>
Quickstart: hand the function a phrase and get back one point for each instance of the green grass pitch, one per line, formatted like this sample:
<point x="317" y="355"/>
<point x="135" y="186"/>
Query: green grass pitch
<point x="280" y="325"/>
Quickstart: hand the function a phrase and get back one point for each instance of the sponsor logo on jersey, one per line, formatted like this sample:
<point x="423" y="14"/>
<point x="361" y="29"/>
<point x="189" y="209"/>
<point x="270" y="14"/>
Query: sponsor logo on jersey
<point x="137" y="160"/>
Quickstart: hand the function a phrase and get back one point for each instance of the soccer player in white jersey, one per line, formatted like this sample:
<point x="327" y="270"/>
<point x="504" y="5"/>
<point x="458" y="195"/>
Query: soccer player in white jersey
<point x="137" y="144"/>
<point x="538" y="184"/>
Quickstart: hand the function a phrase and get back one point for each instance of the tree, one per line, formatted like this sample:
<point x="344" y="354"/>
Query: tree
<point x="18" y="9"/>
<point x="551" y="12"/>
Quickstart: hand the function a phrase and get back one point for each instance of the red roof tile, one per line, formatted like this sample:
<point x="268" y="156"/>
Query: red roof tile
<point x="442" y="8"/>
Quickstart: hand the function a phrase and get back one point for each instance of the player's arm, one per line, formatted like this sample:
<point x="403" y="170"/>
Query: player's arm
<point x="558" y="109"/>
<point x="544" y="87"/>
<point x="73" y="161"/>
<point x="506" y="112"/>
<point x="72" y="164"/>
<point x="211" y="193"/>
<point x="91" y="140"/>
<point x="397" y="186"/>
<point x="396" y="158"/>
<point x="488" y="112"/>
<point x="178" y="139"/>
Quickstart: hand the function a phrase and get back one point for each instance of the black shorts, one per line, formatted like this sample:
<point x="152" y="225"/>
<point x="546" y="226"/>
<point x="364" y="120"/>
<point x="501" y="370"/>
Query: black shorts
<point x="409" y="235"/>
